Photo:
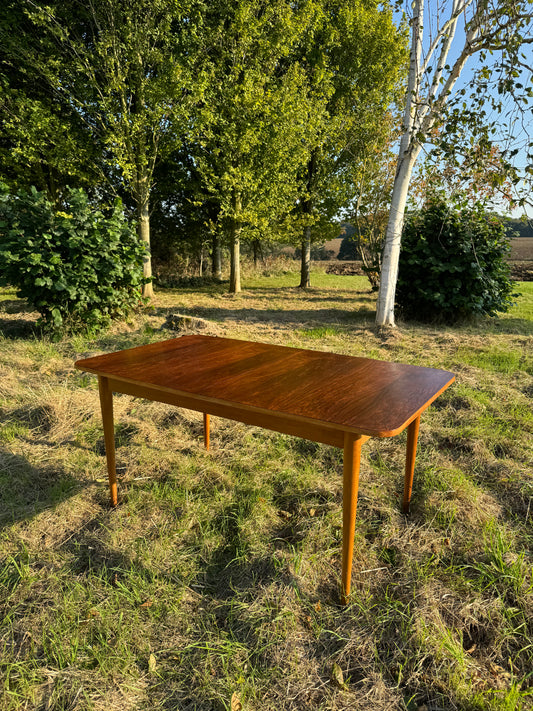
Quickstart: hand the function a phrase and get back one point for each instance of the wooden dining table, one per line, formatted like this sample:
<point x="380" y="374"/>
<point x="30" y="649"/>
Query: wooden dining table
<point x="325" y="397"/>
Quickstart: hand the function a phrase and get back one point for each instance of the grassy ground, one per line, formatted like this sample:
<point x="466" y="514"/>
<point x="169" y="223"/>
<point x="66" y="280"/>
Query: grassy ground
<point x="214" y="584"/>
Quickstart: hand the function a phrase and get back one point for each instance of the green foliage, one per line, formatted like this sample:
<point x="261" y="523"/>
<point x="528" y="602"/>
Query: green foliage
<point x="353" y="61"/>
<point x="258" y="110"/>
<point x="116" y="86"/>
<point x="78" y="268"/>
<point x="453" y="264"/>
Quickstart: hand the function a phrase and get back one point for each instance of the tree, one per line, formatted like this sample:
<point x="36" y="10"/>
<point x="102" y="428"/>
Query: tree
<point x="125" y="69"/>
<point x="516" y="227"/>
<point x="353" y="59"/>
<point x="42" y="143"/>
<point x="256" y="114"/>
<point x="367" y="213"/>
<point x="78" y="268"/>
<point x="498" y="27"/>
<point x="465" y="164"/>
<point x="184" y="215"/>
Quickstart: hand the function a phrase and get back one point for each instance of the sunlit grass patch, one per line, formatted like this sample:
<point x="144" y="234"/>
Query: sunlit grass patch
<point x="523" y="306"/>
<point x="497" y="359"/>
<point x="10" y="431"/>
<point x="7" y="292"/>
<point x="502" y="571"/>
<point x="318" y="332"/>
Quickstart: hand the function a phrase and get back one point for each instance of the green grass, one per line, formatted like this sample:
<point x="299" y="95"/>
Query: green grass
<point x="215" y="582"/>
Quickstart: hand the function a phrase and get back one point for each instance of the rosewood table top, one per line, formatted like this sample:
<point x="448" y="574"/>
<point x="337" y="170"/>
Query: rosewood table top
<point x="352" y="394"/>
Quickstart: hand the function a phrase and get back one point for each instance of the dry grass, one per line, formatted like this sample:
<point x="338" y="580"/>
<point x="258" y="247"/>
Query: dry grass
<point x="214" y="584"/>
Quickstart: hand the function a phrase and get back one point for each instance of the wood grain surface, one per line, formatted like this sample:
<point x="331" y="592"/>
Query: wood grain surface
<point x="359" y="395"/>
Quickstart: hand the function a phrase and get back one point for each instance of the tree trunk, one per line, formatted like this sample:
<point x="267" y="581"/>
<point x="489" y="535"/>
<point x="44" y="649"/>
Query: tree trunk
<point x="305" y="270"/>
<point x="307" y="209"/>
<point x="143" y="230"/>
<point x="257" y="249"/>
<point x="393" y="236"/>
<point x="216" y="258"/>
<point x="235" y="246"/>
<point x="235" y="255"/>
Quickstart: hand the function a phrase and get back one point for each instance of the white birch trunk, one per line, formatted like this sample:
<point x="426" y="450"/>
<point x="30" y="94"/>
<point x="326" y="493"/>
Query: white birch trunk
<point x="407" y="155"/>
<point x="391" y="248"/>
<point x="418" y="119"/>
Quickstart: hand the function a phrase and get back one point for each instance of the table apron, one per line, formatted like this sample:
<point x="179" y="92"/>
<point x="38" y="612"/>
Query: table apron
<point x="271" y="421"/>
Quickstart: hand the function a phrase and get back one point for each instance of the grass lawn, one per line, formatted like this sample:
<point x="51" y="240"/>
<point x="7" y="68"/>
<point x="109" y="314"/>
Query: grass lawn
<point x="215" y="582"/>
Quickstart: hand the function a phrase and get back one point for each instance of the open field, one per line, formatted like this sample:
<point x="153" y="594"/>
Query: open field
<point x="215" y="582"/>
<point x="522" y="249"/>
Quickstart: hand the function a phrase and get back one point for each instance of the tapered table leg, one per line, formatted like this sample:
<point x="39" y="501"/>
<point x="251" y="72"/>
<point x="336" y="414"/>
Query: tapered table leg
<point x="352" y="461"/>
<point x="206" y="430"/>
<point x="412" y="439"/>
<point x="106" y="403"/>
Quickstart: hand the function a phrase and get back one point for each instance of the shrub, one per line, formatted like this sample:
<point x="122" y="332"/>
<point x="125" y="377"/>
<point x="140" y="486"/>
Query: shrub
<point x="453" y="264"/>
<point x="77" y="267"/>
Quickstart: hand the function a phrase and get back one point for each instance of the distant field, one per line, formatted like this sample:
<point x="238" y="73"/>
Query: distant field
<point x="522" y="249"/>
<point x="521" y="259"/>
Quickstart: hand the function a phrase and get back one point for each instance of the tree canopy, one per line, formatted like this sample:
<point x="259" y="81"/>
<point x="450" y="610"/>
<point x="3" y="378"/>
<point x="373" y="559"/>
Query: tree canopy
<point x="261" y="111"/>
<point x="254" y="120"/>
<point x="123" y="72"/>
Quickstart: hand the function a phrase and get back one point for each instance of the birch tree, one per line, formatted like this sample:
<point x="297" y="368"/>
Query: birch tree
<point x="441" y="46"/>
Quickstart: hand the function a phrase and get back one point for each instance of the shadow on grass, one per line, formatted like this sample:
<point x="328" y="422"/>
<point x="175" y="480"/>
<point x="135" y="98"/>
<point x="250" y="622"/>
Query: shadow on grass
<point x="228" y="575"/>
<point x="482" y="326"/>
<point x="23" y="321"/>
<point x="228" y="624"/>
<point x="15" y="306"/>
<point x="292" y="317"/>
<point x="19" y="329"/>
<point x="26" y="490"/>
<point x="513" y="493"/>
<point x="511" y="326"/>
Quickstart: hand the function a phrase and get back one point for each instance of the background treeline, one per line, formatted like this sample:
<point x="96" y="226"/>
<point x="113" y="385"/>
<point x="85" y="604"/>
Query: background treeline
<point x="518" y="228"/>
<point x="215" y="123"/>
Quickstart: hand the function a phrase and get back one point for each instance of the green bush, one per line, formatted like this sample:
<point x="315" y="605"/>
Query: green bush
<point x="77" y="267"/>
<point x="453" y="264"/>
